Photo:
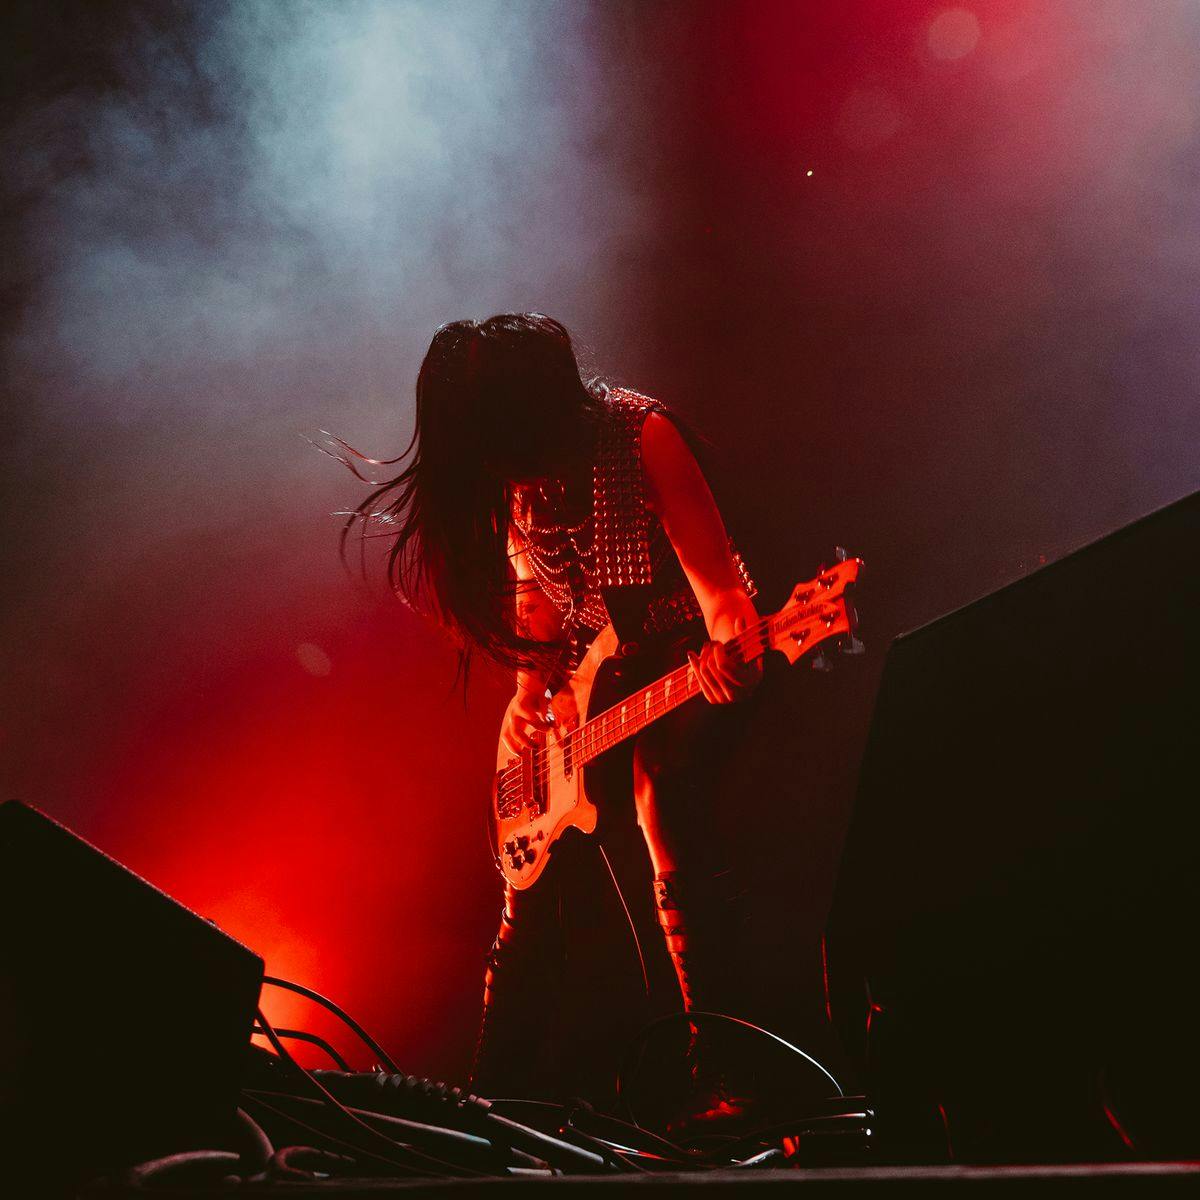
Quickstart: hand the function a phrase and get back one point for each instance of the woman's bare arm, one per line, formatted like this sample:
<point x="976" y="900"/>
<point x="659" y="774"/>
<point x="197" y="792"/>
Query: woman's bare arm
<point x="679" y="495"/>
<point x="536" y="617"/>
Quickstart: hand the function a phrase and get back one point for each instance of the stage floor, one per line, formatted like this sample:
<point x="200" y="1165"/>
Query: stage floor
<point x="1112" y="1178"/>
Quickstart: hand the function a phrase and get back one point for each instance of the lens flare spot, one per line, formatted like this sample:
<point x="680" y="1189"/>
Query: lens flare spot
<point x="314" y="660"/>
<point x="953" y="34"/>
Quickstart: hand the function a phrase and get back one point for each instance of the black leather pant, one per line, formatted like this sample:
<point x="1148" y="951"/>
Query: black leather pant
<point x="566" y="985"/>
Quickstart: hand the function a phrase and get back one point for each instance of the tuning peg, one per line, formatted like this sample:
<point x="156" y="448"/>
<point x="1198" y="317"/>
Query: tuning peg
<point x="819" y="661"/>
<point x="840" y="554"/>
<point x="851" y="645"/>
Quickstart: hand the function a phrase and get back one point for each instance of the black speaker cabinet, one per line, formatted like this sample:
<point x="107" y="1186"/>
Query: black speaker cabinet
<point x="125" y="1018"/>
<point x="1015" y="915"/>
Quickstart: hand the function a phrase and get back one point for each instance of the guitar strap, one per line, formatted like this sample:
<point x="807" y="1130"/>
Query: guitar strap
<point x="627" y="607"/>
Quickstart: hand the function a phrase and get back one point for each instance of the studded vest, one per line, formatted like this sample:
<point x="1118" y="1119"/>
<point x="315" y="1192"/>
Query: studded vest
<point x="617" y="564"/>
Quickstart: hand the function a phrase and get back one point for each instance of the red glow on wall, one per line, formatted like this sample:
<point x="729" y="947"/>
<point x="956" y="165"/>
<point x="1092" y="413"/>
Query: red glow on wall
<point x="305" y="812"/>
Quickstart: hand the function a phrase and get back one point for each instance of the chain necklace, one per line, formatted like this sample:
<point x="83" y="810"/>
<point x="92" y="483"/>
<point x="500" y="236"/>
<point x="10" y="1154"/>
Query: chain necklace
<point x="558" y="552"/>
<point x="553" y="498"/>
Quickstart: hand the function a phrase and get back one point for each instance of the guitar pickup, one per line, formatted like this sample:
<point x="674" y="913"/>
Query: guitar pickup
<point x="534" y="781"/>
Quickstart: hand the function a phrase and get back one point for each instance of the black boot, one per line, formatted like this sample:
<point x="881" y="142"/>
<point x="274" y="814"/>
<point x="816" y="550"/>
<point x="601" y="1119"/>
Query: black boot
<point x="704" y="919"/>
<point x="518" y="978"/>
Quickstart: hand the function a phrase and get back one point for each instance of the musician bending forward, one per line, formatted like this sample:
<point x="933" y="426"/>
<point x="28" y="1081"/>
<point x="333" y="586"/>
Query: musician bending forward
<point x="534" y="510"/>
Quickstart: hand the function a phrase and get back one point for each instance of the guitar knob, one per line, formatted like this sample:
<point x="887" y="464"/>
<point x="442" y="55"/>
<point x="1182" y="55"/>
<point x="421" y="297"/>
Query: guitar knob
<point x="522" y="842"/>
<point x="530" y="855"/>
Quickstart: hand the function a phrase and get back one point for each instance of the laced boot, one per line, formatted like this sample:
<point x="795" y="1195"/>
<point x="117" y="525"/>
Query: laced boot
<point x="507" y="1052"/>
<point x="703" y="919"/>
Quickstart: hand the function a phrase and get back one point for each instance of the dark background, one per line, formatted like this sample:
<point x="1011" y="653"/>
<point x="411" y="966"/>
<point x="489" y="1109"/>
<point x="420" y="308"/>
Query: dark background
<point x="925" y="274"/>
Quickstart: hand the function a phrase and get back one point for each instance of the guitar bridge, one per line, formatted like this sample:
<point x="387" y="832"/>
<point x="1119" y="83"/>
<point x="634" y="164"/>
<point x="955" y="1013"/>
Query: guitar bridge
<point x="508" y="803"/>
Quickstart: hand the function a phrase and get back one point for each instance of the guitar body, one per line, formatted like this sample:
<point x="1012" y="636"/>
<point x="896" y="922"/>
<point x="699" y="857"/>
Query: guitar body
<point x="540" y="793"/>
<point x="524" y="840"/>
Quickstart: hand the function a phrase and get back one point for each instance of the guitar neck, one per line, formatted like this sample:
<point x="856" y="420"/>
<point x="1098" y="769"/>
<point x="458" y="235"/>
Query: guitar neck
<point x="646" y="705"/>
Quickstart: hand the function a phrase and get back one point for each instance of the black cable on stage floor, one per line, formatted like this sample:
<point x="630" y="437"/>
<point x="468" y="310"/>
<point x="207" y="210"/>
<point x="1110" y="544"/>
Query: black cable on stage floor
<point x="211" y="1166"/>
<point x="259" y="1144"/>
<point x="449" y="1138"/>
<point x="549" y="1145"/>
<point x="354" y="1152"/>
<point x="532" y="1139"/>
<point x="381" y="1054"/>
<point x="370" y="1090"/>
<point x="617" y="1157"/>
<point x="701" y="1017"/>
<point x="600" y="1151"/>
<point x="698" y="1018"/>
<point x="300" y="1035"/>
<point x="411" y="1160"/>
<point x="811" y="1122"/>
<point x="668" y="1151"/>
<point x="157" y="1171"/>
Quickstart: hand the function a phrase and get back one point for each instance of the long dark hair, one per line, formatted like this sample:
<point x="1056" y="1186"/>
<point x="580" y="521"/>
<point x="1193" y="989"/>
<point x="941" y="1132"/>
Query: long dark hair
<point x="496" y="401"/>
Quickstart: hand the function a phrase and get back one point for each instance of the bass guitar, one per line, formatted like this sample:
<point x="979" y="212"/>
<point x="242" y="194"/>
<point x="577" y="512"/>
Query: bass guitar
<point x="540" y="793"/>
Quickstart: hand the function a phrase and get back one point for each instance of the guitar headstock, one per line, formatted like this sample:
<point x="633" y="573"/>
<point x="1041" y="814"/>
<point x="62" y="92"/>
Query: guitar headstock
<point x="816" y="611"/>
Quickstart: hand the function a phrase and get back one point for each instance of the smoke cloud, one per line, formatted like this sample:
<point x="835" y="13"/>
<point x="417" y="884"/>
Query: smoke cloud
<point x="927" y="272"/>
<point x="271" y="174"/>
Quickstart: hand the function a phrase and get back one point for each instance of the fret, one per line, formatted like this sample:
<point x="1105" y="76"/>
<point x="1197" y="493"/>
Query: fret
<point x="643" y="708"/>
<point x="646" y="705"/>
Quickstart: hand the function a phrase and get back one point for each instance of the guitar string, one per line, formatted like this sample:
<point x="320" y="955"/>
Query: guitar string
<point x="590" y="745"/>
<point x="513" y="789"/>
<point x="747" y="639"/>
<point x="739" y="643"/>
<point x="659" y="706"/>
<point x="682" y="672"/>
<point x="594" y="743"/>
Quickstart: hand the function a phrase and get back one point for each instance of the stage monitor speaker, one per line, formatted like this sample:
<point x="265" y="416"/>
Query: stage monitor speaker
<point x="125" y="1018"/>
<point x="1015" y="915"/>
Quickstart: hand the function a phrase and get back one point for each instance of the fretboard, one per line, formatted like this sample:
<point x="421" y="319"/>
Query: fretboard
<point x="643" y="707"/>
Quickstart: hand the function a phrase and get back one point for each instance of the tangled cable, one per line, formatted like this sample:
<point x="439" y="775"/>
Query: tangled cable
<point x="299" y="1124"/>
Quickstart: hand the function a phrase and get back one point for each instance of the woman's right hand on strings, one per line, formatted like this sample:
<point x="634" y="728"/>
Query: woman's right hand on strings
<point x="525" y="722"/>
